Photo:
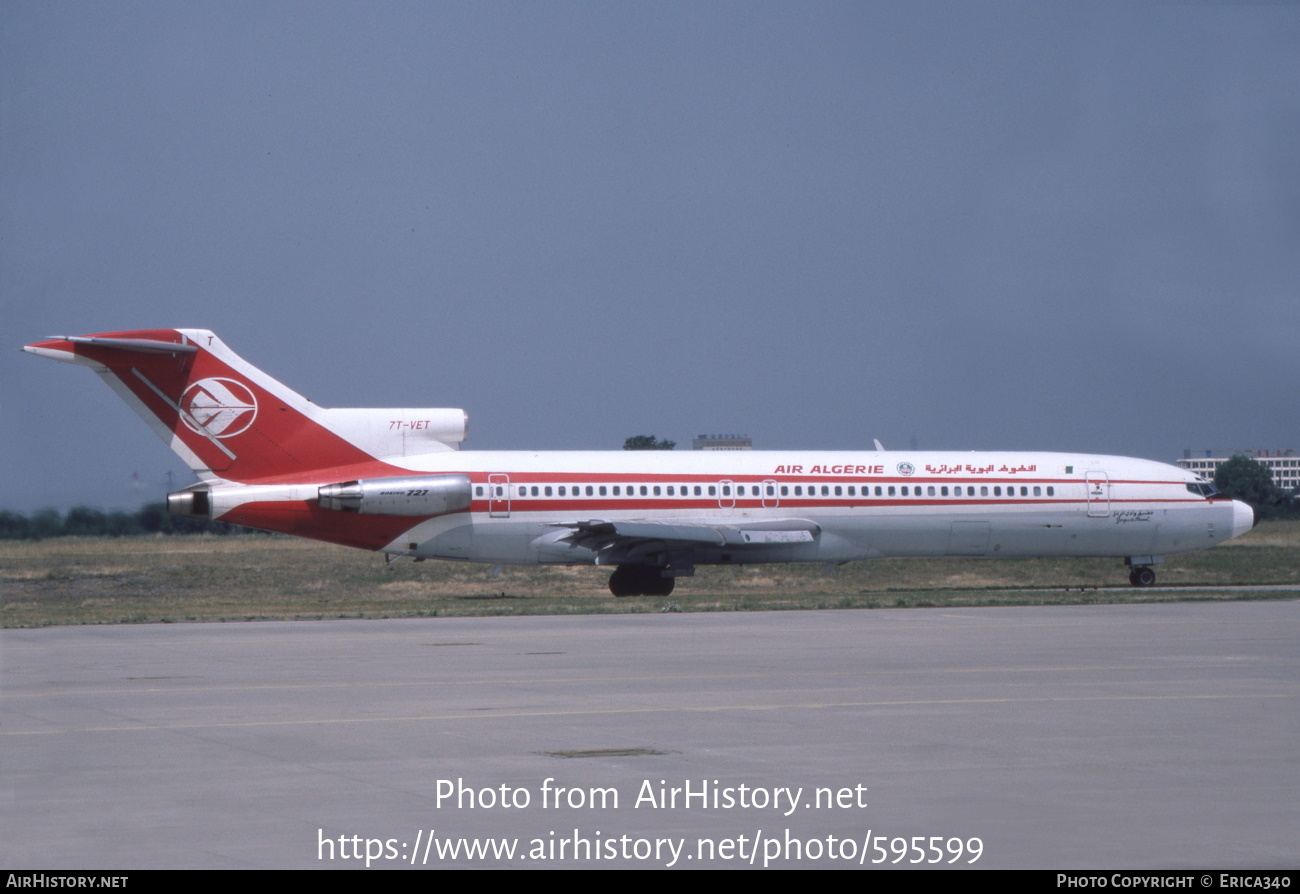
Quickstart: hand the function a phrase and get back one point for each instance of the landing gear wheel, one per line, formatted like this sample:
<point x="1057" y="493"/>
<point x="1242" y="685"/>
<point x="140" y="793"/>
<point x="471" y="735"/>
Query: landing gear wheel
<point x="621" y="582"/>
<point x="661" y="586"/>
<point x="1142" y="577"/>
<point x="640" y="580"/>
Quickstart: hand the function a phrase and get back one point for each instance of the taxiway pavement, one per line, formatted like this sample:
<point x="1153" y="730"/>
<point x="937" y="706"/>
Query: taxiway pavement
<point x="1082" y="737"/>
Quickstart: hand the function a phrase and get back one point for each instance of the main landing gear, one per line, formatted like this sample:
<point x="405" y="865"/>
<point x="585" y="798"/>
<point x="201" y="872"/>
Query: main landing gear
<point x="640" y="580"/>
<point x="1142" y="576"/>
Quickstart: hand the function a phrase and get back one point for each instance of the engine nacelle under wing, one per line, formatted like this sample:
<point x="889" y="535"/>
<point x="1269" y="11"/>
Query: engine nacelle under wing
<point x="417" y="495"/>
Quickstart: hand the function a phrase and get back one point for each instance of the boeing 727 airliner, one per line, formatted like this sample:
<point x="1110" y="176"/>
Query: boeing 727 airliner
<point x="396" y="481"/>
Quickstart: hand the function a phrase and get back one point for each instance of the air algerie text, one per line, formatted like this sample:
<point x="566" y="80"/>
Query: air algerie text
<point x="829" y="470"/>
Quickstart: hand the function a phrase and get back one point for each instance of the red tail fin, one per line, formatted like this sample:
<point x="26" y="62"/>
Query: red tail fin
<point x="228" y="419"/>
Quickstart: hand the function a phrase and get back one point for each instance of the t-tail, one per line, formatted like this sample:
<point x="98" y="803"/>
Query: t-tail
<point x="231" y="422"/>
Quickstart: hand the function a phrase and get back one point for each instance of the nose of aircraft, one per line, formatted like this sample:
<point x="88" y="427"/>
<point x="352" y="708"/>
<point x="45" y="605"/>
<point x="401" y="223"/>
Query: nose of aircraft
<point x="1243" y="518"/>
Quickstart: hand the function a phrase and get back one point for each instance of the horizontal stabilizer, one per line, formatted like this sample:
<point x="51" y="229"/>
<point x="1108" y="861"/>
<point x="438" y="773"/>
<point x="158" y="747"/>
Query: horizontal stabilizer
<point x="143" y="345"/>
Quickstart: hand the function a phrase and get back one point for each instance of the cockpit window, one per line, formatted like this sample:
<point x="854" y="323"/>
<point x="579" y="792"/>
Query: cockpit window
<point x="1203" y="489"/>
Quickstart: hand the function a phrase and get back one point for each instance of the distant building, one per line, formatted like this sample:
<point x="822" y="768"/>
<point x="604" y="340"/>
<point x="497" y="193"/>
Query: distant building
<point x="1283" y="464"/>
<point x="723" y="442"/>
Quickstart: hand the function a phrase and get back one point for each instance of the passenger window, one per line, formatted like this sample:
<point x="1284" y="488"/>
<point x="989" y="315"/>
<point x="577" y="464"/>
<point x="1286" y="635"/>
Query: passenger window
<point x="602" y="490"/>
<point x="589" y="493"/>
<point x="670" y="490"/>
<point x="891" y="490"/>
<point x="930" y="490"/>
<point x="479" y="491"/>
<point x="1037" y="491"/>
<point x="656" y="490"/>
<point x="943" y="491"/>
<point x="1051" y="491"/>
<point x="837" y="490"/>
<point x="785" y="491"/>
<point x="548" y="490"/>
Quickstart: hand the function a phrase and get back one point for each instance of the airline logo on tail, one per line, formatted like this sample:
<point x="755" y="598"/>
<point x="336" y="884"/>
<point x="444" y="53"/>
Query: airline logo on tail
<point x="204" y="401"/>
<point x="219" y="407"/>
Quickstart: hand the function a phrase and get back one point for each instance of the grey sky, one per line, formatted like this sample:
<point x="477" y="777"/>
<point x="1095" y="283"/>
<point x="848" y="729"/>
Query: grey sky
<point x="979" y="225"/>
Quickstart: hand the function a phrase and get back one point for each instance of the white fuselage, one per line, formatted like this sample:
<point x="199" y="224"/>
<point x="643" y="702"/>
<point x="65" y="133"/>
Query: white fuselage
<point x="394" y="480"/>
<point x="856" y="505"/>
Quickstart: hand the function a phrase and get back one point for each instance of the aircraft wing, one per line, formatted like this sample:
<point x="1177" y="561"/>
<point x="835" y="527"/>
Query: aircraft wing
<point x="615" y="542"/>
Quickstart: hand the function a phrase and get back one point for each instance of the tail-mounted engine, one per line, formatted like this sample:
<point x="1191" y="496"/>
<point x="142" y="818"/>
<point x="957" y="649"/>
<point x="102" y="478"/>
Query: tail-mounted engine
<point x="415" y="495"/>
<point x="193" y="502"/>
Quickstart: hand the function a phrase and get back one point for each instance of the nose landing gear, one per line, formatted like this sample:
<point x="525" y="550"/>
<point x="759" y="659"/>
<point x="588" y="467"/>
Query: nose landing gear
<point x="1142" y="576"/>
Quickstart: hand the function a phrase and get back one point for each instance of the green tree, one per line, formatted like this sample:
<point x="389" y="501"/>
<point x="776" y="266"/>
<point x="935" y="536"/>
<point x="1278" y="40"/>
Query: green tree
<point x="1244" y="479"/>
<point x="647" y="442"/>
<point x="13" y="526"/>
<point x="45" y="523"/>
<point x="121" y="524"/>
<point x="153" y="518"/>
<point x="83" y="521"/>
